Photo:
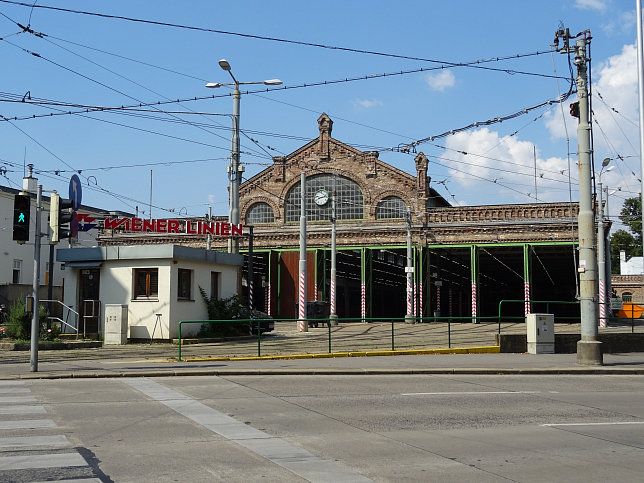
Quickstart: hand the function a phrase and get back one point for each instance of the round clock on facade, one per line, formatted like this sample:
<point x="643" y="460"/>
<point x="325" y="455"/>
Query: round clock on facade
<point x="321" y="197"/>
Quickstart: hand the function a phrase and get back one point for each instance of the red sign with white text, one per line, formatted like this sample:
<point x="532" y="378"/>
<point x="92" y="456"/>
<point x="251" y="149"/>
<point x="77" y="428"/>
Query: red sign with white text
<point x="188" y="227"/>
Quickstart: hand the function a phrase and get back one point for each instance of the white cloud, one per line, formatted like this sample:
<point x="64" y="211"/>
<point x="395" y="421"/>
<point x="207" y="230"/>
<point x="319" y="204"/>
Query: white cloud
<point x="591" y="4"/>
<point x="614" y="105"/>
<point x="620" y="22"/>
<point x="502" y="169"/>
<point x="441" y="80"/>
<point x="367" y="103"/>
<point x="211" y="199"/>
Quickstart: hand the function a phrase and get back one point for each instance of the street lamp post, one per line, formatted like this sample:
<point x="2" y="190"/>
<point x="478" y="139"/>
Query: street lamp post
<point x="235" y="169"/>
<point x="601" y="248"/>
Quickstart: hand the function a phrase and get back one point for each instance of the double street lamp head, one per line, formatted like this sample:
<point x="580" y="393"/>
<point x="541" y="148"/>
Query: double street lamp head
<point x="223" y="63"/>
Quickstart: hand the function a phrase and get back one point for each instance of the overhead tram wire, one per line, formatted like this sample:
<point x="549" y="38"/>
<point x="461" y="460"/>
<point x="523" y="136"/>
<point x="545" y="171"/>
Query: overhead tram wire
<point x="89" y="185"/>
<point x="248" y="91"/>
<point x="412" y="146"/>
<point x="199" y="126"/>
<point x="473" y="64"/>
<point x="94" y="80"/>
<point x="570" y="201"/>
<point x="342" y="80"/>
<point x="492" y="168"/>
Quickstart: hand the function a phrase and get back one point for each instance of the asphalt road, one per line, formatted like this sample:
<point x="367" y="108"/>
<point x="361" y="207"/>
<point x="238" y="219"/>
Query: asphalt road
<point x="324" y="428"/>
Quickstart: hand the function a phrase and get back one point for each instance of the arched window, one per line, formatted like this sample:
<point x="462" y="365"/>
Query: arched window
<point x="349" y="204"/>
<point x="627" y="297"/>
<point x="390" y="207"/>
<point x="260" y="213"/>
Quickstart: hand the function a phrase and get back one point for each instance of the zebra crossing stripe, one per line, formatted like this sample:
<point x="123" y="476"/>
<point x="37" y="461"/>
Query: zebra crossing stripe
<point x="22" y="441"/>
<point x="17" y="399"/>
<point x="22" y="410"/>
<point x="12" y="383"/>
<point x="30" y="462"/>
<point x="28" y="424"/>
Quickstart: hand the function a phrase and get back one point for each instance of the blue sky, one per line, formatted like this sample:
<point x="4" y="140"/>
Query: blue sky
<point x="179" y="159"/>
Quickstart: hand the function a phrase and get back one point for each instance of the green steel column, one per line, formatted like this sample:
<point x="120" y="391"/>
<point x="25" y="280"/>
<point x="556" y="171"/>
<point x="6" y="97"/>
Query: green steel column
<point x="369" y="279"/>
<point x="421" y="284"/>
<point x="474" y="276"/>
<point x="268" y="293"/>
<point x="363" y="287"/>
<point x="526" y="278"/>
<point x="322" y="268"/>
<point x="279" y="284"/>
<point x="315" y="275"/>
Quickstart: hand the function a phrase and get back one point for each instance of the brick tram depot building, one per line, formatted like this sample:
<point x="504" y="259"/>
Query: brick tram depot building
<point x="466" y="259"/>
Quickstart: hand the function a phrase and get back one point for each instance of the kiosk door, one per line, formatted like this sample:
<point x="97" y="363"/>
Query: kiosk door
<point x="89" y="301"/>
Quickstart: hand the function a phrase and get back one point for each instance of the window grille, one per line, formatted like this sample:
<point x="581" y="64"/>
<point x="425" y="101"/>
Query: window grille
<point x="260" y="213"/>
<point x="349" y="202"/>
<point x="390" y="207"/>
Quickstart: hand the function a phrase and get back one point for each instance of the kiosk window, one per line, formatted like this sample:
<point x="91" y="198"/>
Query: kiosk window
<point x="146" y="283"/>
<point x="184" y="291"/>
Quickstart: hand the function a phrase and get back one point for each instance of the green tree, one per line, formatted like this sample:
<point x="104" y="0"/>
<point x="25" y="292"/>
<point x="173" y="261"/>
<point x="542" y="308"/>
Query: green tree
<point x="631" y="243"/>
<point x="631" y="216"/>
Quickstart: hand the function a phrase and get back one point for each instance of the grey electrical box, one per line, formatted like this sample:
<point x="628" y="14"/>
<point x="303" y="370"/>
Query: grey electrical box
<point x="541" y="333"/>
<point x="115" y="324"/>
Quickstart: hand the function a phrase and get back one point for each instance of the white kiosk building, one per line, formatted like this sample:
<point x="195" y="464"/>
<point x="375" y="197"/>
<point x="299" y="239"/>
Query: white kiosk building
<point x="154" y="286"/>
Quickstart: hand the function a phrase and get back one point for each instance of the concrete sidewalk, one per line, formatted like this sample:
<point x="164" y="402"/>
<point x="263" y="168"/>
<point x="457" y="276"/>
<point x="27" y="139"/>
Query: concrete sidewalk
<point x="155" y="360"/>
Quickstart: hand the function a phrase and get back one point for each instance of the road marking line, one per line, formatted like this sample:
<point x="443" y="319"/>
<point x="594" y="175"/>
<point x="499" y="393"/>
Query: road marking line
<point x="297" y="460"/>
<point x="28" y="424"/>
<point x="22" y="410"/>
<point x="457" y="393"/>
<point x="616" y="423"/>
<point x="17" y="399"/>
<point x="12" y="383"/>
<point x="21" y="441"/>
<point x="30" y="462"/>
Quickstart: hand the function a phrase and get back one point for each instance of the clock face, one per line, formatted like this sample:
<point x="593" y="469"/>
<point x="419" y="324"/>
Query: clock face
<point x="321" y="197"/>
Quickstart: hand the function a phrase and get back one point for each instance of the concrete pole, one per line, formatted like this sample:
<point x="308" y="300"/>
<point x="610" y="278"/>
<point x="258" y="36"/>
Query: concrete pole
<point x="302" y="324"/>
<point x="35" y="323"/>
<point x="333" y="316"/>
<point x="589" y="350"/>
<point x="640" y="84"/>
<point x="601" y="252"/>
<point x="409" y="317"/>
<point x="234" y="172"/>
<point x="609" y="265"/>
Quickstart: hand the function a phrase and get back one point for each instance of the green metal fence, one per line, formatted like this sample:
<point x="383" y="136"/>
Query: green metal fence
<point x="357" y="334"/>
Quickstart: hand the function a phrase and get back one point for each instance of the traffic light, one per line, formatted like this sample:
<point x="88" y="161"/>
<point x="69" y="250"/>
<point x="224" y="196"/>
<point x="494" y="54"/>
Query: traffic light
<point x="21" y="211"/>
<point x="60" y="216"/>
<point x="574" y="109"/>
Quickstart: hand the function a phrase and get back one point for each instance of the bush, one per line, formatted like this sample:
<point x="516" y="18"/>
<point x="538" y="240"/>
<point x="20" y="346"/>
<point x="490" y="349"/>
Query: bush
<point x="18" y="324"/>
<point x="235" y="307"/>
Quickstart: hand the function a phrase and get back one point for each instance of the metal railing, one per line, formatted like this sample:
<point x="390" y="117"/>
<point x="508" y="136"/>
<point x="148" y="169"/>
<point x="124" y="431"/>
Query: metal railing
<point x="64" y="323"/>
<point x="547" y="302"/>
<point x="442" y="329"/>
<point x="611" y="320"/>
<point x="90" y="311"/>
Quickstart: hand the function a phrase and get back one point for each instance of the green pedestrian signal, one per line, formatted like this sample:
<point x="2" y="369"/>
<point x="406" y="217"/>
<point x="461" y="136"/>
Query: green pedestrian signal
<point x="21" y="212"/>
